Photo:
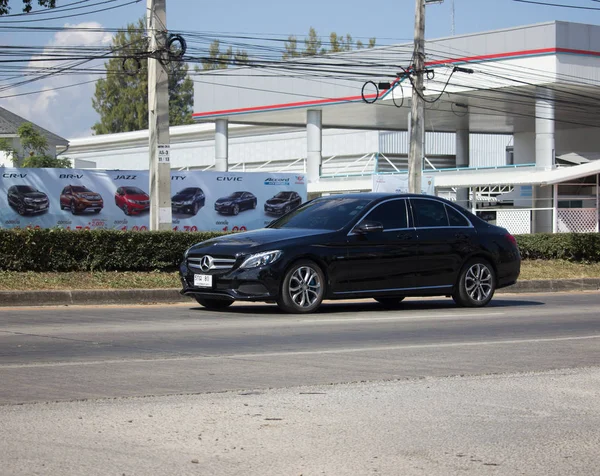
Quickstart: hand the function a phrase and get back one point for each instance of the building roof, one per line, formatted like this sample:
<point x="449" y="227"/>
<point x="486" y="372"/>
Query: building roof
<point x="10" y="123"/>
<point x="529" y="175"/>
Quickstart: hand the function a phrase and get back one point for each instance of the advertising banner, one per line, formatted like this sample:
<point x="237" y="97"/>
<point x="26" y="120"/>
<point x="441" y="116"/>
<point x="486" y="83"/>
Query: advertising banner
<point x="91" y="199"/>
<point x="399" y="184"/>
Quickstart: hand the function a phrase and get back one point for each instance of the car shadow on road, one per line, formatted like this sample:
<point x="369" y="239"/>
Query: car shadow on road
<point x="337" y="307"/>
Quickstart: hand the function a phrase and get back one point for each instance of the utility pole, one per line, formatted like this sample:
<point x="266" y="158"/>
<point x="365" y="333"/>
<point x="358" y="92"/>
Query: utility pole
<point x="158" y="117"/>
<point x="417" y="119"/>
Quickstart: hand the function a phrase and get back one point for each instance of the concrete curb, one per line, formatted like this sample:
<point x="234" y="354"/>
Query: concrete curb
<point x="164" y="296"/>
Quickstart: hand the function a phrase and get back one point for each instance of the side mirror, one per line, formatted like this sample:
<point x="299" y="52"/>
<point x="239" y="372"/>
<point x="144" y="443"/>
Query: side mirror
<point x="368" y="227"/>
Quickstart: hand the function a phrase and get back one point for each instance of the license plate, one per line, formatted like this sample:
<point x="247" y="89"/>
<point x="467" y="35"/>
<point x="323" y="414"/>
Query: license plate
<point x="203" y="280"/>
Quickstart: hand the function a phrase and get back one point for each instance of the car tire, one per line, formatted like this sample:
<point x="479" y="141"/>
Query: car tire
<point x="214" y="304"/>
<point x="476" y="284"/>
<point x="235" y="209"/>
<point x="21" y="209"/>
<point x="97" y="210"/>
<point x="73" y="208"/>
<point x="254" y="203"/>
<point x="196" y="208"/>
<point x="125" y="209"/>
<point x="302" y="289"/>
<point x="390" y="302"/>
<point x="288" y="209"/>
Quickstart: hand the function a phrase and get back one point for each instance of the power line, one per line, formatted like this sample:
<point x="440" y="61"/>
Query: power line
<point x="560" y="5"/>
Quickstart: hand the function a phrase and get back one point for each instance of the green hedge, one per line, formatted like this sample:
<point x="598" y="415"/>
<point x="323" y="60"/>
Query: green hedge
<point x="111" y="250"/>
<point x="97" y="250"/>
<point x="582" y="247"/>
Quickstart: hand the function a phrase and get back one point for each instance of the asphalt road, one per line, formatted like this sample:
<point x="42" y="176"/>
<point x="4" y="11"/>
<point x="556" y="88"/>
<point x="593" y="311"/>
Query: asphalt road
<point x="162" y="350"/>
<point x="429" y="388"/>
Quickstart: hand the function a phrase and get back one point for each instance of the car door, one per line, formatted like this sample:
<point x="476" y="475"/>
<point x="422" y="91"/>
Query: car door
<point x="382" y="261"/>
<point x="446" y="239"/>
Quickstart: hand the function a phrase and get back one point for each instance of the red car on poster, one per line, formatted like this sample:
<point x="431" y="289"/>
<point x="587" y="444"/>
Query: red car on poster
<point x="132" y="200"/>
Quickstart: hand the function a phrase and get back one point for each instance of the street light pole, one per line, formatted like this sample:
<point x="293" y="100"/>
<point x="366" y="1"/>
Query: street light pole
<point x="158" y="117"/>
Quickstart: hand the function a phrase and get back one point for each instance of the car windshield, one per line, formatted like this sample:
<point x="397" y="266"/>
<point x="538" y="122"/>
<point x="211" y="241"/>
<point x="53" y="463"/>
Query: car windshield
<point x="79" y="189"/>
<point x="323" y="214"/>
<point x="235" y="195"/>
<point x="25" y="189"/>
<point x="134" y="191"/>
<point x="188" y="191"/>
<point x="284" y="195"/>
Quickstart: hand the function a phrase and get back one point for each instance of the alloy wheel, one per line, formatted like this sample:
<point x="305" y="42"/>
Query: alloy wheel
<point x="235" y="210"/>
<point x="479" y="282"/>
<point x="305" y="287"/>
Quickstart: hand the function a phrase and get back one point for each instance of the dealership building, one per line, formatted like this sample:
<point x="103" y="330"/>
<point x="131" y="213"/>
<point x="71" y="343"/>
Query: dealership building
<point x="513" y="130"/>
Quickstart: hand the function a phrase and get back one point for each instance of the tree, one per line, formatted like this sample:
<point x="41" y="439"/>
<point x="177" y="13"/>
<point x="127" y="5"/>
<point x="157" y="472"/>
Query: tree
<point x="222" y="60"/>
<point x="35" y="150"/>
<point x="313" y="45"/>
<point x="5" y="9"/>
<point x="121" y="98"/>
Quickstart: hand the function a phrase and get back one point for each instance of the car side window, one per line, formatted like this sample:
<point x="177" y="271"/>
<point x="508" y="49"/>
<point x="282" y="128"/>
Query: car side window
<point x="391" y="214"/>
<point x="456" y="218"/>
<point x="429" y="213"/>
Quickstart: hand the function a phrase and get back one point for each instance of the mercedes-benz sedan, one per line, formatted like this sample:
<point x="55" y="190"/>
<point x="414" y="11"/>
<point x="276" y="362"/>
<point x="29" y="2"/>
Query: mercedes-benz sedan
<point x="381" y="246"/>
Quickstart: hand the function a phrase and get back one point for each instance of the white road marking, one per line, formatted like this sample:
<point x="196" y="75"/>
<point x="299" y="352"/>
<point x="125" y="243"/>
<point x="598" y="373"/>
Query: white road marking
<point x="307" y="352"/>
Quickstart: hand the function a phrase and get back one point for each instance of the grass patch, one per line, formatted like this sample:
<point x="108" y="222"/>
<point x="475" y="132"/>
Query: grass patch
<point x="12" y="280"/>
<point x="558" y="269"/>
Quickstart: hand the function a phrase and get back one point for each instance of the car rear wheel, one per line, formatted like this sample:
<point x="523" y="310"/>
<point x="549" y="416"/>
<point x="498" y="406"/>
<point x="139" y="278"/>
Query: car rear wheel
<point x="476" y="284"/>
<point x="302" y="289"/>
<point x="390" y="301"/>
<point x="214" y="304"/>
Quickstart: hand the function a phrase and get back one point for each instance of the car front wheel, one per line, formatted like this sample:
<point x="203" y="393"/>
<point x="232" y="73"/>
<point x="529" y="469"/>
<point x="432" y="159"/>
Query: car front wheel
<point x="302" y="289"/>
<point x="476" y="284"/>
<point x="214" y="304"/>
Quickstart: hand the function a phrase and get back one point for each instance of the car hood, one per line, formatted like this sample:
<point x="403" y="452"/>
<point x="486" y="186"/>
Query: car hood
<point x="227" y="199"/>
<point x="256" y="241"/>
<point x="137" y="196"/>
<point x="35" y="195"/>
<point x="88" y="195"/>
<point x="276" y="201"/>
<point x="182" y="197"/>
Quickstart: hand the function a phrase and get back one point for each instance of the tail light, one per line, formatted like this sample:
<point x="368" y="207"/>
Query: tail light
<point x="512" y="239"/>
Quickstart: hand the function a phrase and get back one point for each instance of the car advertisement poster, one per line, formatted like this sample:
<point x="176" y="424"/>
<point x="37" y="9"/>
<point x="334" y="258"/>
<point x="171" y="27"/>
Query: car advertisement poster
<point x="399" y="184"/>
<point x="92" y="199"/>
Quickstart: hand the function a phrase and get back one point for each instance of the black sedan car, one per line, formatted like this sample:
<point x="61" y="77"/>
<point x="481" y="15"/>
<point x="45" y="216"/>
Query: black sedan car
<point x="189" y="200"/>
<point x="26" y="199"/>
<point x="283" y="202"/>
<point x="382" y="246"/>
<point x="235" y="203"/>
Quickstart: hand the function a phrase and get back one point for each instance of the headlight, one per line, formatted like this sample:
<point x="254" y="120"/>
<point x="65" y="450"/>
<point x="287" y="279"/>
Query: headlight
<point x="261" y="259"/>
<point x="187" y="202"/>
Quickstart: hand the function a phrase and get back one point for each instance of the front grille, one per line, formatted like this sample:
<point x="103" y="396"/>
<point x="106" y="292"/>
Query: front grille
<point x="218" y="264"/>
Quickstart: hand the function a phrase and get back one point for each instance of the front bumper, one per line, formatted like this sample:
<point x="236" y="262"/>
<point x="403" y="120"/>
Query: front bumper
<point x="88" y="205"/>
<point x="36" y="207"/>
<point x="223" y="208"/>
<point x="257" y="284"/>
<point x="274" y="210"/>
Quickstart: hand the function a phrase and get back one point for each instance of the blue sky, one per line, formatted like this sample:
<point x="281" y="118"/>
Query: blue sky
<point x="69" y="112"/>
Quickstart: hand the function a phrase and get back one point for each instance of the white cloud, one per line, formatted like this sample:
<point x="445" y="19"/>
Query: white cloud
<point x="67" y="112"/>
